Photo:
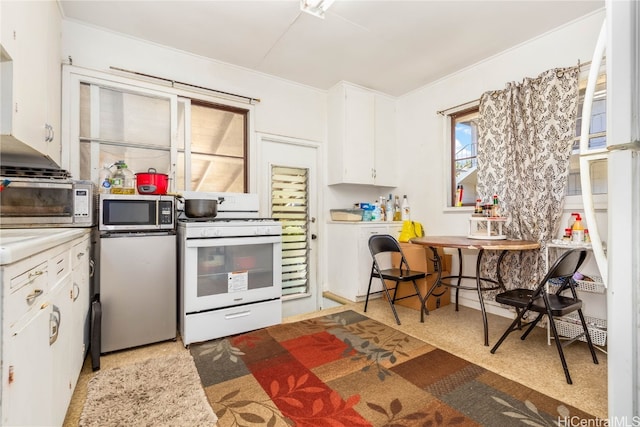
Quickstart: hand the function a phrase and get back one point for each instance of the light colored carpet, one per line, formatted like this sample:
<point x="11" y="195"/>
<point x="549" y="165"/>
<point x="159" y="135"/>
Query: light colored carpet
<point x="162" y="391"/>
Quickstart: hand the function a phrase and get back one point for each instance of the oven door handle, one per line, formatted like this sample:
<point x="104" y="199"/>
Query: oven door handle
<point x="231" y="241"/>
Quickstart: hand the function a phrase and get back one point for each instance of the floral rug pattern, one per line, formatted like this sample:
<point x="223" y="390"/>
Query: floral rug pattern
<point x="348" y="370"/>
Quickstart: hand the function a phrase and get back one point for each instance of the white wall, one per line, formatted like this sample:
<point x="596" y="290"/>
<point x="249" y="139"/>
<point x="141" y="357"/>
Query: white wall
<point x="286" y="108"/>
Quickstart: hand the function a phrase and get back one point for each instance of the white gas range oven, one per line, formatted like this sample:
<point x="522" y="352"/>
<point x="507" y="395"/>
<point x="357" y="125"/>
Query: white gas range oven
<point x="230" y="269"/>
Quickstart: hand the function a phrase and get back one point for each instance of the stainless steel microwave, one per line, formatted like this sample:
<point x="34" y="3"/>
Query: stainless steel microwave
<point x="123" y="212"/>
<point x="30" y="202"/>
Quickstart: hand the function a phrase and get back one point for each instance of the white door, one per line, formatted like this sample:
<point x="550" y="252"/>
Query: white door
<point x="300" y="294"/>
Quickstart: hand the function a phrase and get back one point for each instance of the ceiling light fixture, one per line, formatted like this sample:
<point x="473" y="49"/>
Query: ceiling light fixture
<point x="315" y="7"/>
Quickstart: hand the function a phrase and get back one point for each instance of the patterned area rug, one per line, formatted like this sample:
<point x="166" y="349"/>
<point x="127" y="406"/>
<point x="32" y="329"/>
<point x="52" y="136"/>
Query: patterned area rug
<point x="157" y="392"/>
<point x="349" y="370"/>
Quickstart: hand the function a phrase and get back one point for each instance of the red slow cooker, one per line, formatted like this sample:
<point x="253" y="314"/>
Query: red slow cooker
<point x="151" y="182"/>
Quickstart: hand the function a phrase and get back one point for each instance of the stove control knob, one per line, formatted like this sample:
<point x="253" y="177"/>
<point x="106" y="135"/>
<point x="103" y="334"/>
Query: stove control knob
<point x="205" y="232"/>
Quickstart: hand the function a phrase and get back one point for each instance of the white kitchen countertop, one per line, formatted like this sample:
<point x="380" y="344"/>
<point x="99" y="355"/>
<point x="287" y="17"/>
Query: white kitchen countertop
<point x="19" y="243"/>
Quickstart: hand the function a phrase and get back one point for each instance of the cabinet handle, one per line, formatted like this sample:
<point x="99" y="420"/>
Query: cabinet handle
<point x="49" y="129"/>
<point x="73" y="291"/>
<point x="35" y="274"/>
<point x="80" y="255"/>
<point x="54" y="324"/>
<point x="33" y="295"/>
<point x="92" y="268"/>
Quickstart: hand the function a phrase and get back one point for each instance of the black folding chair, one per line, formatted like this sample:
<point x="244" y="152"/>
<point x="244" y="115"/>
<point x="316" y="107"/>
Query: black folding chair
<point x="383" y="243"/>
<point x="551" y="304"/>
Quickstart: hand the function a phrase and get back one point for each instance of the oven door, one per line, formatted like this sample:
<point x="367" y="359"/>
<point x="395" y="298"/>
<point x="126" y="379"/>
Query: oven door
<point x="225" y="272"/>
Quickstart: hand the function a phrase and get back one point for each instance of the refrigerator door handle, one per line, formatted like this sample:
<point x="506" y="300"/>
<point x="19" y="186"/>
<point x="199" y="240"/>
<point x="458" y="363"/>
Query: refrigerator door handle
<point x="586" y="157"/>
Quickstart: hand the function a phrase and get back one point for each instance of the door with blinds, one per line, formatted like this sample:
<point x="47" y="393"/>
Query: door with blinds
<point x="289" y="170"/>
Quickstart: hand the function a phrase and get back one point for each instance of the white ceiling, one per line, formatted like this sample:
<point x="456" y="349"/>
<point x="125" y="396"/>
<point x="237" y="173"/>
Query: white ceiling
<point x="390" y="46"/>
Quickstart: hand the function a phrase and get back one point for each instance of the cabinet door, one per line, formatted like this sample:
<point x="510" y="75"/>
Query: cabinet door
<point x="358" y="149"/>
<point x="80" y="300"/>
<point x="386" y="151"/>
<point x="61" y="342"/>
<point x="31" y="37"/>
<point x="365" y="260"/>
<point x="27" y="373"/>
<point x="52" y="78"/>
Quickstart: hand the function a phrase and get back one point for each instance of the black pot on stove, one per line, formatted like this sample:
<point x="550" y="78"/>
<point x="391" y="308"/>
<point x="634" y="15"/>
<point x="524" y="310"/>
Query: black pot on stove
<point x="201" y="208"/>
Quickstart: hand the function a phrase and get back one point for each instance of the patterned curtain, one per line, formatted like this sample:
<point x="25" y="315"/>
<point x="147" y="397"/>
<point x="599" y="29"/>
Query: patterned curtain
<point x="524" y="144"/>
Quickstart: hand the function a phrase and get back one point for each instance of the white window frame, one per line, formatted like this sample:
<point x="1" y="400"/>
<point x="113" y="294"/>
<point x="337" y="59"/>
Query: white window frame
<point x="448" y="159"/>
<point x="72" y="76"/>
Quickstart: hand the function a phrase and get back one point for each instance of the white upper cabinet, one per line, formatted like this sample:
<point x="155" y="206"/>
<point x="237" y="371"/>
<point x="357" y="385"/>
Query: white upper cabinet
<point x="386" y="156"/>
<point x="31" y="73"/>
<point x="361" y="137"/>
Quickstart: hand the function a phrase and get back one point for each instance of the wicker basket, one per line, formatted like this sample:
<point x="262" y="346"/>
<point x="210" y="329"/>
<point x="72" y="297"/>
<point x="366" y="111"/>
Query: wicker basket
<point x="569" y="326"/>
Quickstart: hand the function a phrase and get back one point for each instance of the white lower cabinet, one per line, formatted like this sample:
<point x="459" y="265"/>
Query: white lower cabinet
<point x="43" y="341"/>
<point x="27" y="374"/>
<point x="349" y="259"/>
<point x="61" y="342"/>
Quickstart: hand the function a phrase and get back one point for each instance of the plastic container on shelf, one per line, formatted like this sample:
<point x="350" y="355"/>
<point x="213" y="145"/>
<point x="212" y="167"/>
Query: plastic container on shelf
<point x="104" y="180"/>
<point x="346" y="214"/>
<point x="122" y="180"/>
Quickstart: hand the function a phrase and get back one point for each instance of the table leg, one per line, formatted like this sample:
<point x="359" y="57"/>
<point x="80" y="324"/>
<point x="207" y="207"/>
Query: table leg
<point x="438" y="267"/>
<point x="499" y="275"/>
<point x="459" y="276"/>
<point x="485" y="323"/>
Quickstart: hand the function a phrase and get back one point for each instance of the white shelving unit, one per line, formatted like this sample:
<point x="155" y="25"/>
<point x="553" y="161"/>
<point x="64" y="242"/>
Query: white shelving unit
<point x="593" y="294"/>
<point x="486" y="228"/>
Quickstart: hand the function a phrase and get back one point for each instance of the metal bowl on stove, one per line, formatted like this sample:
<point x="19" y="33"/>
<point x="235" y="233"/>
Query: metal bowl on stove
<point x="201" y="208"/>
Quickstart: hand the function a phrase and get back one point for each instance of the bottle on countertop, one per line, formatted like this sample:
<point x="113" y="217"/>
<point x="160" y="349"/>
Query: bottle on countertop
<point x="104" y="185"/>
<point x="478" y="209"/>
<point x="388" y="209"/>
<point x="397" y="215"/>
<point x="406" y="210"/>
<point x="383" y="208"/>
<point x="495" y="208"/>
<point x="376" y="214"/>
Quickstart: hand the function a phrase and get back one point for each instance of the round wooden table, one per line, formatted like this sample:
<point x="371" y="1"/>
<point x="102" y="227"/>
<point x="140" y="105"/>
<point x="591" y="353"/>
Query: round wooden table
<point x="463" y="242"/>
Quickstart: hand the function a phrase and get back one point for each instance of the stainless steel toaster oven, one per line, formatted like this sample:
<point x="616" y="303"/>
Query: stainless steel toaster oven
<point x="28" y="202"/>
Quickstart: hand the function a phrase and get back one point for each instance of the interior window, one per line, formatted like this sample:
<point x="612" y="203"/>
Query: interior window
<point x="464" y="155"/>
<point x="209" y="152"/>
<point x="123" y="125"/>
<point x="217" y="151"/>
